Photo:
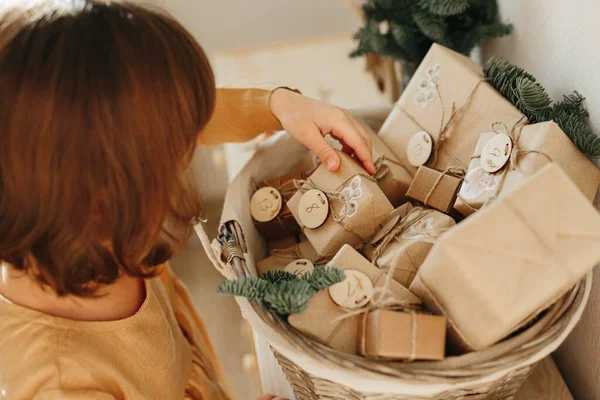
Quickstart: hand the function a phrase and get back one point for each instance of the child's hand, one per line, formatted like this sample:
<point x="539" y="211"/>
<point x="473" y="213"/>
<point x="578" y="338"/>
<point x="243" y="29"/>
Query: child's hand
<point x="308" y="121"/>
<point x="270" y="397"/>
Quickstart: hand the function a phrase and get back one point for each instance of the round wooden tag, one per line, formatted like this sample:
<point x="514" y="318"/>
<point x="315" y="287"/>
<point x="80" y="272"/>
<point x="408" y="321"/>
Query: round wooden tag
<point x="419" y="148"/>
<point x="496" y="153"/>
<point x="387" y="227"/>
<point x="313" y="208"/>
<point x="265" y="204"/>
<point x="353" y="292"/>
<point x="300" y="267"/>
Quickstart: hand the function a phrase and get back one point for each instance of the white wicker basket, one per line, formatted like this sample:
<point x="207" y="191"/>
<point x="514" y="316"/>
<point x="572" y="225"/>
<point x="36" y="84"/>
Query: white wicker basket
<point x="318" y="372"/>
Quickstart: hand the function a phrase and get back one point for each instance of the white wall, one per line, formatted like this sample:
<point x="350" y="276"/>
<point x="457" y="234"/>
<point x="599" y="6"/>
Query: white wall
<point x="237" y="24"/>
<point x="557" y="41"/>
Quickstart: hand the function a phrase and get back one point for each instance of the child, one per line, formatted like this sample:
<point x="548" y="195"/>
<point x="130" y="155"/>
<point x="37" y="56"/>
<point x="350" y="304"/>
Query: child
<point x="101" y="107"/>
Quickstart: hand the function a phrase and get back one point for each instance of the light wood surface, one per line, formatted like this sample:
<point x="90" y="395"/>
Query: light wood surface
<point x="545" y="383"/>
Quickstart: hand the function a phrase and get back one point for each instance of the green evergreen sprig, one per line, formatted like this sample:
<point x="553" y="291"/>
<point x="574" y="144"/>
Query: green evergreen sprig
<point x="414" y="25"/>
<point x="532" y="99"/>
<point x="282" y="292"/>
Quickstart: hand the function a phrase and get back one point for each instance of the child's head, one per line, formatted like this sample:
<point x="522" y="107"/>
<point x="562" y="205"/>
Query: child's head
<point x="101" y="105"/>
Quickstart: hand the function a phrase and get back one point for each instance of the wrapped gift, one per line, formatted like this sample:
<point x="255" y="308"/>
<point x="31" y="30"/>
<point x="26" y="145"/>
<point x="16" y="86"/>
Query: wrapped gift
<point x="401" y="335"/>
<point x="393" y="179"/>
<point x="327" y="322"/>
<point x="436" y="189"/>
<point x="276" y="245"/>
<point x="281" y="258"/>
<point x="269" y="210"/>
<point x="404" y="243"/>
<point x="335" y="208"/>
<point x="498" y="269"/>
<point x="443" y="110"/>
<point x="537" y="144"/>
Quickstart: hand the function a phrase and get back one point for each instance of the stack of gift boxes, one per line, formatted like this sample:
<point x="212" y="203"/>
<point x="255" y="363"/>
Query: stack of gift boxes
<point x="475" y="223"/>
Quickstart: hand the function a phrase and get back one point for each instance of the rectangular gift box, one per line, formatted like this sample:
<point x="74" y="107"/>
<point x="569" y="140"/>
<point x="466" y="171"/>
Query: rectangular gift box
<point x="420" y="229"/>
<point x="369" y="206"/>
<point x="444" y="80"/>
<point x="537" y="145"/>
<point x="393" y="179"/>
<point x="320" y="320"/>
<point x="276" y="245"/>
<point x="441" y="188"/>
<point x="280" y="258"/>
<point x="498" y="269"/>
<point x="399" y="335"/>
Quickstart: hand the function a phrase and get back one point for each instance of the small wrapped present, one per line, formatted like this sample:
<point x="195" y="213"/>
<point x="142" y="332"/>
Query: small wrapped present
<point x="279" y="259"/>
<point x="276" y="245"/>
<point x="536" y="145"/>
<point x="436" y="189"/>
<point x="325" y="319"/>
<point x="393" y="179"/>
<point x="498" y="269"/>
<point x="404" y="244"/>
<point x="442" y="111"/>
<point x="268" y="208"/>
<point x="398" y="335"/>
<point x="335" y="208"/>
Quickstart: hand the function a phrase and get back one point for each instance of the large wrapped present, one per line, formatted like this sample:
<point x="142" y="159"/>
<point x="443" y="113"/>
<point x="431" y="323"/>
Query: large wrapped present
<point x="400" y="335"/>
<point x="393" y="179"/>
<point x="335" y="208"/>
<point x="443" y="110"/>
<point x="498" y="269"/>
<point x="534" y="146"/>
<point x="324" y="319"/>
<point x="404" y="243"/>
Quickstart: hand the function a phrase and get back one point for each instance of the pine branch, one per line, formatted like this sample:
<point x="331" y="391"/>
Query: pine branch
<point x="432" y="26"/>
<point x="445" y="7"/>
<point x="251" y="288"/>
<point x="289" y="297"/>
<point x="278" y="276"/>
<point x="532" y="99"/>
<point x="322" y="277"/>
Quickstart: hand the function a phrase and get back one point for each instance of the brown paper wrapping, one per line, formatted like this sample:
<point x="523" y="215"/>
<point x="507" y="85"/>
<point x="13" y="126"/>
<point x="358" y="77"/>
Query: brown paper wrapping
<point x="281" y="258"/>
<point x="547" y="138"/>
<point x="443" y="192"/>
<point x="460" y="83"/>
<point x="410" y="247"/>
<point x="281" y="244"/>
<point x="319" y="322"/>
<point x="393" y="179"/>
<point x="285" y="224"/>
<point x="498" y="269"/>
<point x="402" y="335"/>
<point x="372" y="208"/>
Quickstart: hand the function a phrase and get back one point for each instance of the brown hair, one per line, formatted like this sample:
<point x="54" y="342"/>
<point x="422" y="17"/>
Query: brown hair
<point x="101" y="105"/>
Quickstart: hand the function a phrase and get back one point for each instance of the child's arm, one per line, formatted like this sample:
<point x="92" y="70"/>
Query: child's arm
<point x="240" y="115"/>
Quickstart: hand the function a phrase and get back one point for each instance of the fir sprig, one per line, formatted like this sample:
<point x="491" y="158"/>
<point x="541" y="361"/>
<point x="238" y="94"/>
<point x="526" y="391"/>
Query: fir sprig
<point x="282" y="292"/>
<point x="532" y="99"/>
<point x="415" y="24"/>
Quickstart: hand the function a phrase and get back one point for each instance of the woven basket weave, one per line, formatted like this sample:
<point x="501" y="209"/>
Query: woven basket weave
<point x="317" y="372"/>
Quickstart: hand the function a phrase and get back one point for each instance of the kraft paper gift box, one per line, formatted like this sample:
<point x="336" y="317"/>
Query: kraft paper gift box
<point x="460" y="83"/>
<point x="498" y="269"/>
<point x="284" y="225"/>
<point x="412" y="237"/>
<point x="393" y="179"/>
<point x="365" y="207"/>
<point x="397" y="335"/>
<point x="321" y="320"/>
<point x="436" y="189"/>
<point x="276" y="245"/>
<point x="537" y="144"/>
<point x="280" y="258"/>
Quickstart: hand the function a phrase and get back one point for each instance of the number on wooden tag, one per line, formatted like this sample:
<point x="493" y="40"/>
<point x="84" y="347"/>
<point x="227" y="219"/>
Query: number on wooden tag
<point x="265" y="204"/>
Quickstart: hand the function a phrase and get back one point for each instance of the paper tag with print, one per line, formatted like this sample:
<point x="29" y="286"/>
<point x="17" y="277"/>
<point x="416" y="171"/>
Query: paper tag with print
<point x="265" y="204"/>
<point x="387" y="227"/>
<point x="419" y="148"/>
<point x="496" y="152"/>
<point x="476" y="182"/>
<point x="299" y="267"/>
<point x="428" y="86"/>
<point x="313" y="208"/>
<point x="353" y="292"/>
